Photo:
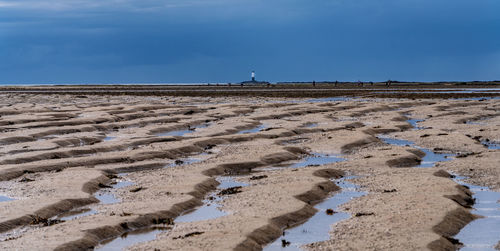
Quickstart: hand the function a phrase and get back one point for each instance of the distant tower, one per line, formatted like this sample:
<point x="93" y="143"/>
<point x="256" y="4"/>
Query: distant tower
<point x="253" y="76"/>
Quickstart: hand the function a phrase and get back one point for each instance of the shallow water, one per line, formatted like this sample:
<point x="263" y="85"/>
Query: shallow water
<point x="480" y="121"/>
<point x="398" y="142"/>
<point x="478" y="98"/>
<point x="186" y="161"/>
<point x="332" y="99"/>
<point x="15" y="233"/>
<point x="450" y="91"/>
<point x="183" y="132"/>
<point x="414" y="123"/>
<point x="109" y="138"/>
<point x="480" y="234"/>
<point x="311" y="125"/>
<point x="491" y="145"/>
<point x="132" y="238"/>
<point x="5" y="198"/>
<point x="483" y="233"/>
<point x="107" y="197"/>
<point x="317" y="228"/>
<point x="316" y="159"/>
<point x="210" y="208"/>
<point x="253" y="130"/>
<point x="74" y="214"/>
<point x="430" y="158"/>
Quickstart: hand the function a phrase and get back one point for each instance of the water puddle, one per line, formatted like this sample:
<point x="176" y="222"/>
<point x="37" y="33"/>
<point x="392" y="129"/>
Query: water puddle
<point x="294" y="141"/>
<point x="253" y="130"/>
<point x="483" y="233"/>
<point x="211" y="208"/>
<point x="446" y="91"/>
<point x="14" y="234"/>
<point x="5" y="198"/>
<point x="131" y="238"/>
<point x="106" y="196"/>
<point x="317" y="228"/>
<point x="491" y="145"/>
<point x="430" y="157"/>
<point x="480" y="234"/>
<point x="480" y="121"/>
<point x="317" y="160"/>
<point x="186" y="161"/>
<point x="74" y="214"/>
<point x="183" y="132"/>
<point x="310" y="125"/>
<point x="478" y="98"/>
<point x="109" y="138"/>
<point x="414" y="123"/>
<point x="332" y="99"/>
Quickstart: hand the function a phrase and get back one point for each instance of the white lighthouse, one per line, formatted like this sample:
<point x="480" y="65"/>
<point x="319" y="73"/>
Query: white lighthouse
<point x="253" y="76"/>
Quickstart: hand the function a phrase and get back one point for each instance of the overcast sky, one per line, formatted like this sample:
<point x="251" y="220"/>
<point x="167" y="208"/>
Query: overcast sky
<point x="152" y="41"/>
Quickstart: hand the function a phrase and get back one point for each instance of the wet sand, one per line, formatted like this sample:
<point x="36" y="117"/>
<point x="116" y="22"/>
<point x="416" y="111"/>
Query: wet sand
<point x="63" y="152"/>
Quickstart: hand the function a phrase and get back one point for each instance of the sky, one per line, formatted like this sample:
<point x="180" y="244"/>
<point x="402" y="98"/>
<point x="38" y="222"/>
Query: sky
<point x="200" y="41"/>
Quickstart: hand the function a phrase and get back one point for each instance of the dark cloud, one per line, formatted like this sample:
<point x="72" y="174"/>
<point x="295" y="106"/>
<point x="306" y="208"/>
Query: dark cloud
<point x="198" y="41"/>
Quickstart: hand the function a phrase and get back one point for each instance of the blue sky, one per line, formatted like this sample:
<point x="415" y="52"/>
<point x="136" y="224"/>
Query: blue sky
<point x="153" y="41"/>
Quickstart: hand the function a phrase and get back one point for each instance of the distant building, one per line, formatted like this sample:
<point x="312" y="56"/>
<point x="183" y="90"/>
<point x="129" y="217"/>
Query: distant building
<point x="253" y="81"/>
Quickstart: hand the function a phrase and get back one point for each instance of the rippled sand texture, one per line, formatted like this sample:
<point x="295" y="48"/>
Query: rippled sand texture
<point x="120" y="164"/>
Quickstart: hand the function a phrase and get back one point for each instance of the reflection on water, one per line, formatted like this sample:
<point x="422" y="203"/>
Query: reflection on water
<point x="483" y="233"/>
<point x="132" y="238"/>
<point x="450" y="91"/>
<point x="414" y="123"/>
<point x="310" y="125"/>
<point x="317" y="228"/>
<point x="316" y="160"/>
<point x="186" y="161"/>
<point x="5" y="198"/>
<point x="332" y="99"/>
<point x="74" y="214"/>
<point x="491" y="145"/>
<point x="253" y="130"/>
<point x="106" y="196"/>
<point x="430" y="158"/>
<point x="183" y="132"/>
<point x="210" y="208"/>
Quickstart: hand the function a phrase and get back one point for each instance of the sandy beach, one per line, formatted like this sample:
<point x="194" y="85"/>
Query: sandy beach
<point x="237" y="172"/>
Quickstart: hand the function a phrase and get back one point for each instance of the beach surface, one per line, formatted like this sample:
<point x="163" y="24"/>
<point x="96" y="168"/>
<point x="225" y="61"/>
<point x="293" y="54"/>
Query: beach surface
<point x="235" y="172"/>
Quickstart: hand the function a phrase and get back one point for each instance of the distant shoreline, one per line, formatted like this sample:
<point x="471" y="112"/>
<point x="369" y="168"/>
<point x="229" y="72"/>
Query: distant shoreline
<point x="290" y="90"/>
<point x="249" y="83"/>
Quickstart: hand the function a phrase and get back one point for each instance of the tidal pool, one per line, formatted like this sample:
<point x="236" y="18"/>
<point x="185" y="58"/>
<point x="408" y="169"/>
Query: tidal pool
<point x="317" y="228"/>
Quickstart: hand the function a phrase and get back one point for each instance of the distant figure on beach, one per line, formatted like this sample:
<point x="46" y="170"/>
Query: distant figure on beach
<point x="388" y="83"/>
<point x="336" y="82"/>
<point x="360" y="83"/>
<point x="314" y="83"/>
<point x="371" y="83"/>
